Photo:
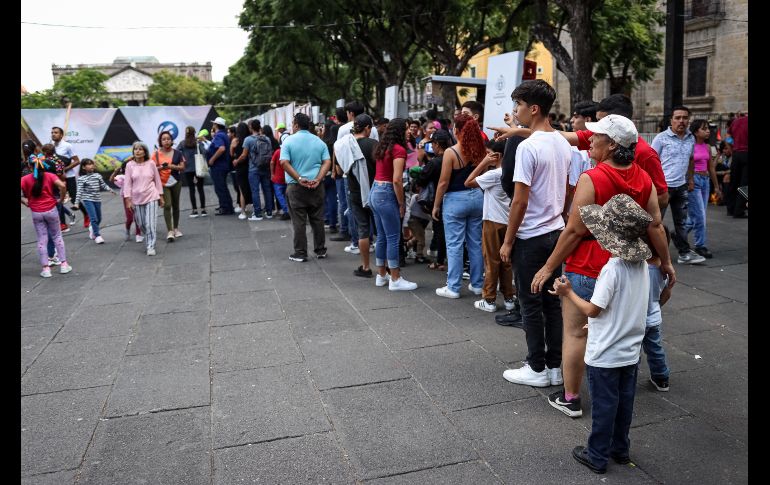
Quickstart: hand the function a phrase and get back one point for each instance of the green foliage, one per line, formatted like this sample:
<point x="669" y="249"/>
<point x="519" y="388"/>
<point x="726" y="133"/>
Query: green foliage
<point x="626" y="42"/>
<point x="41" y="99"/>
<point x="169" y="89"/>
<point x="84" y="89"/>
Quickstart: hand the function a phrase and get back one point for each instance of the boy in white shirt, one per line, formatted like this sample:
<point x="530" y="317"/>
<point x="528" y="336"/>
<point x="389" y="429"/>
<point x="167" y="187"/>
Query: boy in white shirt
<point x="616" y="314"/>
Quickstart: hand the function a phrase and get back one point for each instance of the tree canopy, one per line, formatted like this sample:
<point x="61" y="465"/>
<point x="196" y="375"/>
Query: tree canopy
<point x="84" y="89"/>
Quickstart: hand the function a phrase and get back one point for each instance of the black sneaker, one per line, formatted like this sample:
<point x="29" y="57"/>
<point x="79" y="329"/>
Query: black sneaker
<point x="285" y="216"/>
<point x="363" y="273"/>
<point x="659" y="383"/>
<point x="298" y="257"/>
<point x="321" y="253"/>
<point x="570" y="408"/>
<point x="580" y="454"/>
<point x="510" y="319"/>
<point x="704" y="251"/>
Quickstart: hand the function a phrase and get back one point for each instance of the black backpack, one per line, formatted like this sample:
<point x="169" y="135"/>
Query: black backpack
<point x="261" y="152"/>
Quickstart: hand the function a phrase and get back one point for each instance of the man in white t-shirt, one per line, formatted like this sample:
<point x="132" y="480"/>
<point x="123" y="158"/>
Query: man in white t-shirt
<point x="64" y="149"/>
<point x="534" y="224"/>
<point x="617" y="314"/>
<point x="495" y="222"/>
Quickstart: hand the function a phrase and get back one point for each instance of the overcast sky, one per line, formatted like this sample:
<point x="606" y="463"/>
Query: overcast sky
<point x="42" y="46"/>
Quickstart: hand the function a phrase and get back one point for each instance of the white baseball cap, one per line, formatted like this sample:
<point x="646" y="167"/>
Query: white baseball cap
<point x="219" y="121"/>
<point x="619" y="128"/>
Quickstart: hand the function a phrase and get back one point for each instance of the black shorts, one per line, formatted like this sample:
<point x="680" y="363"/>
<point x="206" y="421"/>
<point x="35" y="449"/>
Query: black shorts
<point x="362" y="215"/>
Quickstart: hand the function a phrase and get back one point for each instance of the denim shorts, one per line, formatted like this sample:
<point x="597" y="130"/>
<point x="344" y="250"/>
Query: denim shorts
<point x="582" y="285"/>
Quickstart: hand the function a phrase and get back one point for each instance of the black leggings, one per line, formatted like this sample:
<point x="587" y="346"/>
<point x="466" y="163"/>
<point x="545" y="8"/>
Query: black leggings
<point x="190" y="177"/>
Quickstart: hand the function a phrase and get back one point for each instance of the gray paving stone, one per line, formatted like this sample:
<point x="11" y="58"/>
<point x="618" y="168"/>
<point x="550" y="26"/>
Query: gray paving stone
<point x="686" y="321"/>
<point x="169" y="380"/>
<point x="279" y="265"/>
<point x="49" y="309"/>
<point x="170" y="447"/>
<point x="541" y="442"/>
<point x="33" y="341"/>
<point x="186" y="256"/>
<point x="178" y="298"/>
<point x="240" y="281"/>
<point x="350" y="358"/>
<point x="99" y="321"/>
<point x="658" y="450"/>
<point x="225" y="230"/>
<point x="56" y="478"/>
<point x="234" y="245"/>
<point x="120" y="269"/>
<point x="318" y="317"/>
<point x="461" y="375"/>
<point x="364" y="295"/>
<point x="509" y="344"/>
<point x="412" y="326"/>
<point x="685" y="296"/>
<point x="651" y="406"/>
<point x="712" y="281"/>
<point x="172" y="331"/>
<point x="453" y="308"/>
<point x="293" y="288"/>
<point x="253" y="345"/>
<point x="75" y="365"/>
<point x="281" y="235"/>
<point x="122" y="291"/>
<point x="307" y="459"/>
<point x="182" y="273"/>
<point x="256" y="306"/>
<point x="718" y="345"/>
<point x="56" y="429"/>
<point x="393" y="428"/>
<point x="264" y="404"/>
<point x="234" y="261"/>
<point x="460" y="474"/>
<point x="734" y="316"/>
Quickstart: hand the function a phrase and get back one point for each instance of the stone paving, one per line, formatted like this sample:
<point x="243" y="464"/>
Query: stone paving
<point x="220" y="361"/>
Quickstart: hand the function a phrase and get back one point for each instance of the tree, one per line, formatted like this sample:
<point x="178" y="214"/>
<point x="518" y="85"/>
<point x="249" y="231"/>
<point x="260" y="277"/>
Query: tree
<point x="169" y="89"/>
<point x="84" y="89"/>
<point x="41" y="99"/>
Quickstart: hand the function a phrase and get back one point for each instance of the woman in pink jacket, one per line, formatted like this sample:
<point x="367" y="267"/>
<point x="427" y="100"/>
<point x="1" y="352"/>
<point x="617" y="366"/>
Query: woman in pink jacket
<point x="143" y="193"/>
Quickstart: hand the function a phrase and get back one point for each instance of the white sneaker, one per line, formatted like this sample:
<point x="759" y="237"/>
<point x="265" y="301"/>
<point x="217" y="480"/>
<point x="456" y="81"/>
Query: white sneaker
<point x="139" y="238"/>
<point x="170" y="237"/>
<point x="382" y="280"/>
<point x="237" y="210"/>
<point x="99" y="240"/>
<point x="352" y="249"/>
<point x="474" y="290"/>
<point x="401" y="284"/>
<point x="242" y="216"/>
<point x="554" y="375"/>
<point x="65" y="268"/>
<point x="90" y="231"/>
<point x="446" y="292"/>
<point x="54" y="261"/>
<point x="485" y="306"/>
<point x="150" y="251"/>
<point x="252" y="218"/>
<point x="510" y="304"/>
<point x="466" y="275"/>
<point x="178" y="233"/>
<point x="46" y="273"/>
<point x="525" y="375"/>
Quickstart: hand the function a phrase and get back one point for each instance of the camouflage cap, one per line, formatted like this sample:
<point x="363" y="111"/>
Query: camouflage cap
<point x="618" y="227"/>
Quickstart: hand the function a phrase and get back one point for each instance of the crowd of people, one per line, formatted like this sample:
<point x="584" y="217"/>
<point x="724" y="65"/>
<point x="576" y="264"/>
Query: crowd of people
<point x="504" y="214"/>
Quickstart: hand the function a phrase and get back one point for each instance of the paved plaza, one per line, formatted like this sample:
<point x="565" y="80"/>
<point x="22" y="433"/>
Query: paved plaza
<point x="219" y="361"/>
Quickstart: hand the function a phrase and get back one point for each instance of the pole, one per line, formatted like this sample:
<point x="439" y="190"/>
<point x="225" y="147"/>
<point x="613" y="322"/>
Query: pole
<point x="67" y="118"/>
<point x="674" y="56"/>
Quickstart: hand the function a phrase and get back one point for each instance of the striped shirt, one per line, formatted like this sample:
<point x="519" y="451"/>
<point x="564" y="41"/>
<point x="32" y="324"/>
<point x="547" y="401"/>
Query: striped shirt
<point x="89" y="186"/>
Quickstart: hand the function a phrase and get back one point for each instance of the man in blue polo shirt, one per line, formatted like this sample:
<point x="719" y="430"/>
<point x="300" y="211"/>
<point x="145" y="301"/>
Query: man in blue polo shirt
<point x="218" y="155"/>
<point x="305" y="159"/>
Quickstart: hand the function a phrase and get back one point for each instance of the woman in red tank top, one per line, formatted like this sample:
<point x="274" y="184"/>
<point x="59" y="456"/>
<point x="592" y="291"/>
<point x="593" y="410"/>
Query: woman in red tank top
<point x="612" y="145"/>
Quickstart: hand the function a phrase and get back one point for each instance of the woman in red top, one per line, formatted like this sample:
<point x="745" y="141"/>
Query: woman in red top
<point x="612" y="146"/>
<point x="279" y="177"/>
<point x="170" y="163"/>
<point x="37" y="193"/>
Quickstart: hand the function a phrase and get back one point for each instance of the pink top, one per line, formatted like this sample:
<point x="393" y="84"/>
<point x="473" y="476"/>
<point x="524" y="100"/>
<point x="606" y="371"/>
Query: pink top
<point x="142" y="182"/>
<point x="701" y="155"/>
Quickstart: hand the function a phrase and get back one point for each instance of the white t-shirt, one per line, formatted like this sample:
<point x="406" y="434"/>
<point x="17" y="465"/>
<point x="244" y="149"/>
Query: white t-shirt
<point x="542" y="163"/>
<point x="615" y="336"/>
<point x="64" y="149"/>
<point x="579" y="164"/>
<point x="347" y="128"/>
<point x="497" y="204"/>
<point x="658" y="281"/>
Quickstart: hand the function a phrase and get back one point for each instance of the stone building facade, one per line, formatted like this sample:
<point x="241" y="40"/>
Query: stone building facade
<point x="130" y="77"/>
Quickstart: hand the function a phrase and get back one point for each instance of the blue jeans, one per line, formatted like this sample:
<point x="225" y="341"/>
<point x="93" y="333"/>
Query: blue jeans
<point x="342" y="204"/>
<point x="612" y="406"/>
<point x="678" y="201"/>
<point x="280" y="194"/>
<point x="462" y="212"/>
<point x="94" y="210"/>
<point x="387" y="218"/>
<point x="697" y="201"/>
<point x="219" y="178"/>
<point x="582" y="285"/>
<point x="257" y="179"/>
<point x="656" y="356"/>
<point x="330" y="201"/>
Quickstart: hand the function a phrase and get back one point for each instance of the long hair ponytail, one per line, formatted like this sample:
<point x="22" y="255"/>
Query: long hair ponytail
<point x="39" y="175"/>
<point x="469" y="136"/>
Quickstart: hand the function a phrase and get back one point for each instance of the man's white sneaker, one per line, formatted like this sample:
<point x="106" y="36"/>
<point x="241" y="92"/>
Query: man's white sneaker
<point x="401" y="284"/>
<point x="99" y="240"/>
<point x="139" y="238"/>
<point x="474" y="290"/>
<point x="447" y="293"/>
<point x="485" y="306"/>
<point x="690" y="257"/>
<point x="554" y="375"/>
<point x="150" y="251"/>
<point x="525" y="375"/>
<point x="352" y="249"/>
<point x="242" y="216"/>
<point x="382" y="280"/>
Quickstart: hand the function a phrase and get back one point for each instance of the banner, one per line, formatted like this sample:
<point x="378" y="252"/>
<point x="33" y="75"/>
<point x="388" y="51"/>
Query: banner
<point x="503" y="75"/>
<point x="391" y="102"/>
<point x="85" y="132"/>
<point x="148" y="121"/>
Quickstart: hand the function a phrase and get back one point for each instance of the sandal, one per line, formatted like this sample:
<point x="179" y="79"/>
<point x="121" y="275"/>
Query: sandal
<point x="436" y="266"/>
